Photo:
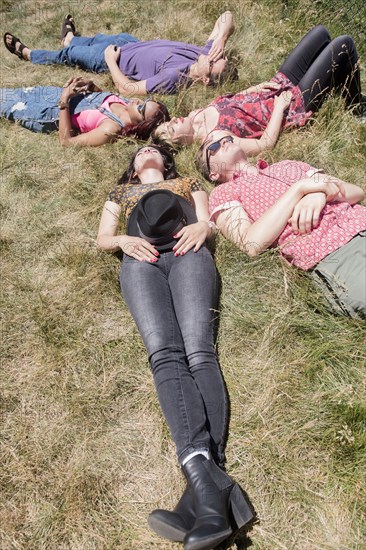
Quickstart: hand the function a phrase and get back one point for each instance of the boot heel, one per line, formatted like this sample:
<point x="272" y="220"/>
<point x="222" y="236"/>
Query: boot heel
<point x="242" y="511"/>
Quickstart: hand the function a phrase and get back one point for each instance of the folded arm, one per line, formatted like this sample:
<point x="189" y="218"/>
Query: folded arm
<point x="306" y="214"/>
<point x="254" y="238"/>
<point x="352" y="193"/>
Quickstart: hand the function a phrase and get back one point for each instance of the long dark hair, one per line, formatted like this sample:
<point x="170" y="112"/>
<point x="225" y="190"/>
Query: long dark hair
<point x="170" y="171"/>
<point x="143" y="129"/>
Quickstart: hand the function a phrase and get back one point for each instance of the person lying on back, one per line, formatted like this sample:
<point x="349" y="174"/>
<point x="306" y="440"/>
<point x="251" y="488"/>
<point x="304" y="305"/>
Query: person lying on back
<point x="137" y="67"/>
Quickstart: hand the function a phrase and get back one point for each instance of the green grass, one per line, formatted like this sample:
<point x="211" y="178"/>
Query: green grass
<point x="86" y="454"/>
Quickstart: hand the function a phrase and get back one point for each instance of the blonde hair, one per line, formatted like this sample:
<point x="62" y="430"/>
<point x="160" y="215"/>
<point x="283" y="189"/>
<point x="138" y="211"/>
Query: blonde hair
<point x="162" y="137"/>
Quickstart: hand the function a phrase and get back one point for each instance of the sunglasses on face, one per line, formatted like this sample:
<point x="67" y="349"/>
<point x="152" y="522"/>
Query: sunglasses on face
<point x="214" y="147"/>
<point x="142" y="107"/>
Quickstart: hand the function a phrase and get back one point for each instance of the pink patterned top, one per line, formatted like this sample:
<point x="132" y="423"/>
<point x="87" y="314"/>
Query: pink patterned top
<point x="339" y="222"/>
<point x="247" y="115"/>
<point x="91" y="118"/>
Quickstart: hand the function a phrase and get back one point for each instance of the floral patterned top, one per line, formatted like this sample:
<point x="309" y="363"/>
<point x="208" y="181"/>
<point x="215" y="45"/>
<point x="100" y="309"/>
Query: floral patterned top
<point x="339" y="222"/>
<point x="247" y="115"/>
<point x="128" y="195"/>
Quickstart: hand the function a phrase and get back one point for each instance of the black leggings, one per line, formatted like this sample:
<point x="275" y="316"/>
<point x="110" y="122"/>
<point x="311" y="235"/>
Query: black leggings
<point x="319" y="65"/>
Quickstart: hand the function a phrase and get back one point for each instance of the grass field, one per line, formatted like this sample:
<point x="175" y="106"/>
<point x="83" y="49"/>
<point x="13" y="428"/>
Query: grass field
<point x="85" y="452"/>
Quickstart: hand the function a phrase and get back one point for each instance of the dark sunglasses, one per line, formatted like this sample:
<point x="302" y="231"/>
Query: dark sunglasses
<point x="214" y="147"/>
<point x="142" y="107"/>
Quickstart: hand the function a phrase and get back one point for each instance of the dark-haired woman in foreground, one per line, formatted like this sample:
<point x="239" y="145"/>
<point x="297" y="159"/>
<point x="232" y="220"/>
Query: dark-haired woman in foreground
<point x="81" y="112"/>
<point x="169" y="282"/>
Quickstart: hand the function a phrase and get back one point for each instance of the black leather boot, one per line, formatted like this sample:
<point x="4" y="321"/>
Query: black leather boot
<point x="176" y="524"/>
<point x="215" y="497"/>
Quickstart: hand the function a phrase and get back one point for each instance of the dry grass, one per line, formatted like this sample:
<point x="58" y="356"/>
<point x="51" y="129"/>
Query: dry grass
<point x="86" y="454"/>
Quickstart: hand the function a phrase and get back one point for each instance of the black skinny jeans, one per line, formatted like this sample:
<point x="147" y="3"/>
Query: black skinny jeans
<point x="319" y="65"/>
<point x="174" y="304"/>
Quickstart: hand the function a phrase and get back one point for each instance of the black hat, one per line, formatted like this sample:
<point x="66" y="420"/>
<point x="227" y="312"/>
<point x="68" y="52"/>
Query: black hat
<point x="158" y="216"/>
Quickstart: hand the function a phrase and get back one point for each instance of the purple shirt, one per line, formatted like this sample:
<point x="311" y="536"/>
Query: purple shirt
<point x="162" y="63"/>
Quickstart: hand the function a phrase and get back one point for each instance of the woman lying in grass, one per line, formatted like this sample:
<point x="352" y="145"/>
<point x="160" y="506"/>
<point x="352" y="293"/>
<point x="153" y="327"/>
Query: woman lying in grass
<point x="169" y="282"/>
<point x="256" y="116"/>
<point x="81" y="112"/>
<point x="310" y="216"/>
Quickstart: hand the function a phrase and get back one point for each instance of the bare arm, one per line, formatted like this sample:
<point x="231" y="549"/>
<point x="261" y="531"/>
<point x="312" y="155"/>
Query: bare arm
<point x="223" y="29"/>
<point x="106" y="133"/>
<point x="252" y="147"/>
<point x="124" y="85"/>
<point x="109" y="241"/>
<point x="352" y="193"/>
<point x="255" y="237"/>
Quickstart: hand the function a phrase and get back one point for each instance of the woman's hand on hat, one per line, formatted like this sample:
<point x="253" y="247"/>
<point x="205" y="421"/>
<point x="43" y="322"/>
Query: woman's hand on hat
<point x="138" y="248"/>
<point x="193" y="235"/>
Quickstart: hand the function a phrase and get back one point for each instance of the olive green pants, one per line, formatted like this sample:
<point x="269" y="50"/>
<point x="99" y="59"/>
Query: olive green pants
<point x="341" y="276"/>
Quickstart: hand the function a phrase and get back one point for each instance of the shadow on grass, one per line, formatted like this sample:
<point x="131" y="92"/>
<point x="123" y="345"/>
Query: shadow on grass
<point x="240" y="539"/>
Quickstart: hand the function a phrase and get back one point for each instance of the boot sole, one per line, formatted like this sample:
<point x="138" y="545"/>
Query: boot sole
<point x="166" y="531"/>
<point x="208" y="543"/>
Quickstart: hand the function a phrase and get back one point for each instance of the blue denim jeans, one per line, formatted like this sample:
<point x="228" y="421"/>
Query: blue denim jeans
<point x="36" y="107"/>
<point x="85" y="52"/>
<point x="173" y="303"/>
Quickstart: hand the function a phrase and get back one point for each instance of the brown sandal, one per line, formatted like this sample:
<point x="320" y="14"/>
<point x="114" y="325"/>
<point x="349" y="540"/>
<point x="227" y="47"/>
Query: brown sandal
<point x="11" y="46"/>
<point x="67" y="26"/>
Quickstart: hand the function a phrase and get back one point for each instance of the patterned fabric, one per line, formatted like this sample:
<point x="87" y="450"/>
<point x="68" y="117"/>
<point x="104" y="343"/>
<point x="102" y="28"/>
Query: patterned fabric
<point x="247" y="115"/>
<point x="128" y="195"/>
<point x="339" y="222"/>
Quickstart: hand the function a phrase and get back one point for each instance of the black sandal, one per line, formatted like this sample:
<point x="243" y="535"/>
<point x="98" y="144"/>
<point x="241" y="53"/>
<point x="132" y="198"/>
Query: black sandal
<point x="11" y="46"/>
<point x="67" y="26"/>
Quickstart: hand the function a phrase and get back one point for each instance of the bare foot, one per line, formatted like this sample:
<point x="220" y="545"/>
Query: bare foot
<point x="67" y="40"/>
<point x="67" y="30"/>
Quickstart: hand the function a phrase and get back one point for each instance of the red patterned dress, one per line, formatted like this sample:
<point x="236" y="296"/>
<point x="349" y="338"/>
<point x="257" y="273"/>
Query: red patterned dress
<point x="247" y="115"/>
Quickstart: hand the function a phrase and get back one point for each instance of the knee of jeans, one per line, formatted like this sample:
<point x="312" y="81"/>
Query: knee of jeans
<point x="165" y="356"/>
<point x="205" y="356"/>
<point x="321" y="29"/>
<point x="344" y="43"/>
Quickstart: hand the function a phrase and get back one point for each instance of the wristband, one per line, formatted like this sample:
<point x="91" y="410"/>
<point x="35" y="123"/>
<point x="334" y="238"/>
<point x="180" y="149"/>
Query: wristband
<point x="63" y="105"/>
